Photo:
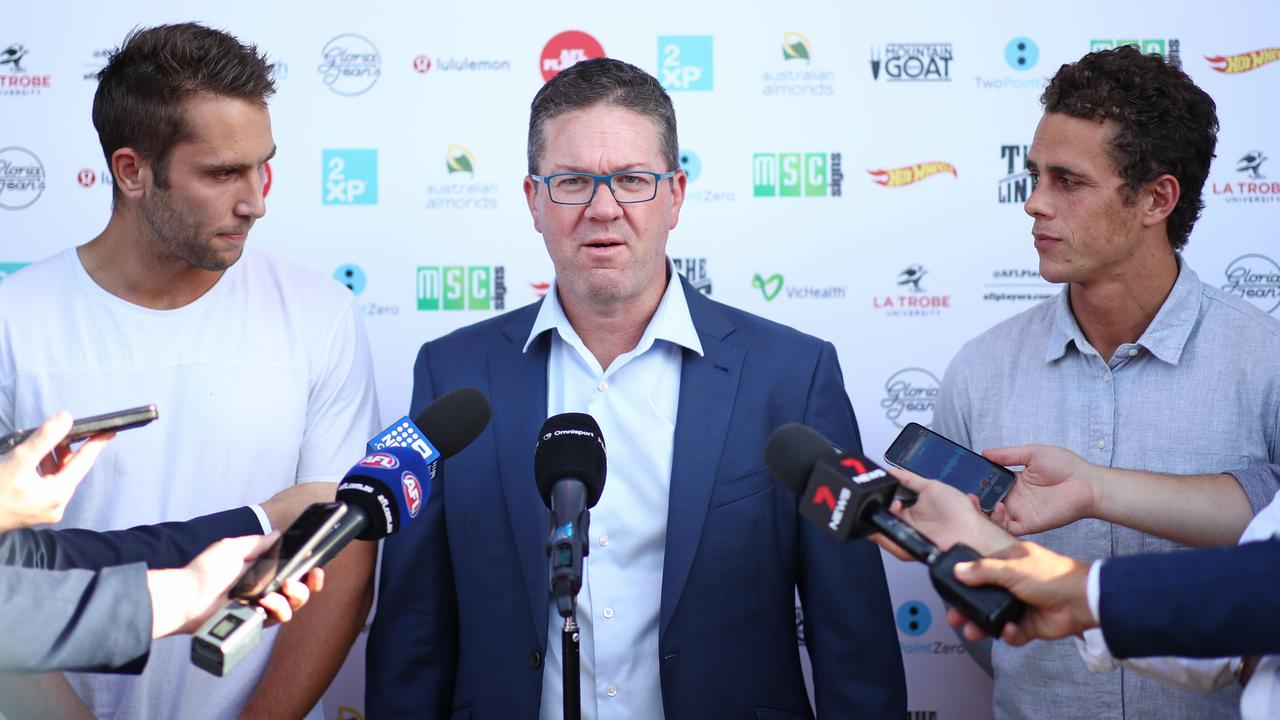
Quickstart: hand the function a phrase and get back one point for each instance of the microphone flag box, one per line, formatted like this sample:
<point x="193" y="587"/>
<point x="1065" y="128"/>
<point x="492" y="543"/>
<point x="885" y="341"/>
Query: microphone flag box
<point x="839" y="490"/>
<point x="404" y="433"/>
<point x="390" y="485"/>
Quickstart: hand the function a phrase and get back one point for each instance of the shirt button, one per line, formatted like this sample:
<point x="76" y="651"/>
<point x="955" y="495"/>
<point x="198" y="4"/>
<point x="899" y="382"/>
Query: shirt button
<point x="611" y="691"/>
<point x="608" y="613"/>
<point x="535" y="660"/>
<point x="604" y="541"/>
<point x="604" y="385"/>
<point x="1102" y="444"/>
<point x="1133" y="352"/>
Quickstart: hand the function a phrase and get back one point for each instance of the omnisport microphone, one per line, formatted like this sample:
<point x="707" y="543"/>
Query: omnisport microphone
<point x="848" y="496"/>
<point x="381" y="494"/>
<point x="569" y="465"/>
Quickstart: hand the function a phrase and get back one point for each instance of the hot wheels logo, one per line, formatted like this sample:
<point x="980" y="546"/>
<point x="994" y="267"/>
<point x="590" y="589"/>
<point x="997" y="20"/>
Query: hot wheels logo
<point x="898" y="177"/>
<point x="1244" y="62"/>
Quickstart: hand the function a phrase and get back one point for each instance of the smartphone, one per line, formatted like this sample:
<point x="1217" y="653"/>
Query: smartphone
<point x="925" y="452"/>
<point x="306" y="544"/>
<point x="90" y="426"/>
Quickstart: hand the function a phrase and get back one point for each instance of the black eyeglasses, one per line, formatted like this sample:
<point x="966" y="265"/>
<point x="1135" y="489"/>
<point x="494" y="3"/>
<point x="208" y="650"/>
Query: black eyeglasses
<point x="628" y="186"/>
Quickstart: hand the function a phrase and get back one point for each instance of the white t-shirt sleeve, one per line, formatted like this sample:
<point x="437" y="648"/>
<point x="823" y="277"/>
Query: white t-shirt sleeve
<point x="342" y="404"/>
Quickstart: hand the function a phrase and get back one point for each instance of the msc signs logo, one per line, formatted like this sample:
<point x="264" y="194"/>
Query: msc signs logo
<point x="1244" y="62"/>
<point x="1169" y="49"/>
<point x="460" y="159"/>
<point x="685" y="62"/>
<point x="797" y="174"/>
<point x="457" y="287"/>
<point x="566" y="49"/>
<point x="350" y="177"/>
<point x="897" y="177"/>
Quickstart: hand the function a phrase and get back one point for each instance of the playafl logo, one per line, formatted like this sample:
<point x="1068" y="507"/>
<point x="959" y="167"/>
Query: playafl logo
<point x="1244" y="62"/>
<point x="898" y="177"/>
<point x="412" y="492"/>
<point x="567" y="48"/>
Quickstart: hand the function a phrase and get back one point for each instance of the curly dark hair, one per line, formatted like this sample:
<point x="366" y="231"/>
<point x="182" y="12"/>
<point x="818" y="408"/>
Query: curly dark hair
<point x="603" y="81"/>
<point x="139" y="101"/>
<point x="1165" y="124"/>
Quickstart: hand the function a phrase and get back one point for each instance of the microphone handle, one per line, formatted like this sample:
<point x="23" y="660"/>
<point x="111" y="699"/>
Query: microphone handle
<point x="349" y="526"/>
<point x="988" y="606"/>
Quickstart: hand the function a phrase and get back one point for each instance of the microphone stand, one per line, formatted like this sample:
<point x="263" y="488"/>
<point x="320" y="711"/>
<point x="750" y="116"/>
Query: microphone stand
<point x="569" y="646"/>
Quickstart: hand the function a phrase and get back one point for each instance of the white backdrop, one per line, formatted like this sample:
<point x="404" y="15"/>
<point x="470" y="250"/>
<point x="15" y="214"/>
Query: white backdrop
<point x="855" y="171"/>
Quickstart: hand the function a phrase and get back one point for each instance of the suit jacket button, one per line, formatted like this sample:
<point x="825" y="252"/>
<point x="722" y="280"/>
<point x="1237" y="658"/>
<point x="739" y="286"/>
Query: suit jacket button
<point x="535" y="660"/>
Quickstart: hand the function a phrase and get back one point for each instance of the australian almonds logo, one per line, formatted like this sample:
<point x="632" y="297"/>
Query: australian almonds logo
<point x="897" y="177"/>
<point x="1244" y="62"/>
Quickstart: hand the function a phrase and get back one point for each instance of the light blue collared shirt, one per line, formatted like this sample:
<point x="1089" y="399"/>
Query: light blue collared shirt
<point x="634" y="400"/>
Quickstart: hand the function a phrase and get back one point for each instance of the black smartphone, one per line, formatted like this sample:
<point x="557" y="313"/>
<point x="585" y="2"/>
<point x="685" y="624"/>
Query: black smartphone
<point x="299" y="549"/>
<point x="88" y="427"/>
<point x="925" y="452"/>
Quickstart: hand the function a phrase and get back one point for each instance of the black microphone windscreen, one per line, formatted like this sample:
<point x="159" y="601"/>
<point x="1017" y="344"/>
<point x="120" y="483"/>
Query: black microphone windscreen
<point x="570" y="445"/>
<point x="453" y="420"/>
<point x="791" y="451"/>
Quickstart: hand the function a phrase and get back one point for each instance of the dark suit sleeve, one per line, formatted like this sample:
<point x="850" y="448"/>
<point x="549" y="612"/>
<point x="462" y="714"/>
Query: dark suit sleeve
<point x="412" y="653"/>
<point x="166" y="545"/>
<point x="1215" y="602"/>
<point x="849" y="628"/>
<point x="96" y="621"/>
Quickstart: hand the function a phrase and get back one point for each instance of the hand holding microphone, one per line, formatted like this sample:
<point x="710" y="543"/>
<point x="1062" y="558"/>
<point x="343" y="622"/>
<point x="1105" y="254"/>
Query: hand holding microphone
<point x="849" y="496"/>
<point x="379" y="496"/>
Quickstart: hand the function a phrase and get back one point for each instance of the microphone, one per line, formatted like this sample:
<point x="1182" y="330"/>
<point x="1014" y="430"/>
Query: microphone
<point x="377" y="497"/>
<point x="848" y="496"/>
<point x="569" y="466"/>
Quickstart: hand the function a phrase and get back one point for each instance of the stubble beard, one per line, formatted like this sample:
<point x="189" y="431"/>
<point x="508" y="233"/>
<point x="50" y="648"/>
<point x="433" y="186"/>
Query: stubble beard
<point x="182" y="238"/>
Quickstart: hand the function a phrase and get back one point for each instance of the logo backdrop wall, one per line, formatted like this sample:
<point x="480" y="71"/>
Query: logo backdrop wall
<point x="855" y="171"/>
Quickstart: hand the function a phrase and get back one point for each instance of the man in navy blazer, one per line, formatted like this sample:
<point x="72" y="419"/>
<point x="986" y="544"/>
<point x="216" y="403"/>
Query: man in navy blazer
<point x="463" y="627"/>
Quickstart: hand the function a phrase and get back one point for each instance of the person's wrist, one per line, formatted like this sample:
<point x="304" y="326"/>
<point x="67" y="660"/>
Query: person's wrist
<point x="170" y="592"/>
<point x="1100" y="481"/>
<point x="986" y="537"/>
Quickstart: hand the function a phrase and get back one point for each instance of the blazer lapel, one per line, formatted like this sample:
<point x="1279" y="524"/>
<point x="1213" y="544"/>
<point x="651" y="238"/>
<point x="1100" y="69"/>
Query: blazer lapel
<point x="519" y="382"/>
<point x="708" y="387"/>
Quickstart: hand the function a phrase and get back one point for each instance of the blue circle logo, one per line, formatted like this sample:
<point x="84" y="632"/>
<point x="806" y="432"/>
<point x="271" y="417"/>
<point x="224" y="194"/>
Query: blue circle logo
<point x="1022" y="53"/>
<point x="914" y="618"/>
<point x="351" y="276"/>
<point x="691" y="164"/>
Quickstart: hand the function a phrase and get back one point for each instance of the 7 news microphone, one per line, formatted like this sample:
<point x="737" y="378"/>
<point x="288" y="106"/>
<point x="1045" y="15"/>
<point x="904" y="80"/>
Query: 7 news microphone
<point x="848" y="496"/>
<point x="379" y="496"/>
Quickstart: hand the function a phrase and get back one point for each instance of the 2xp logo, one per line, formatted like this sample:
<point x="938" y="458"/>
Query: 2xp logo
<point x="350" y="177"/>
<point x="1022" y="53"/>
<point x="914" y="618"/>
<point x="567" y="48"/>
<point x="684" y="62"/>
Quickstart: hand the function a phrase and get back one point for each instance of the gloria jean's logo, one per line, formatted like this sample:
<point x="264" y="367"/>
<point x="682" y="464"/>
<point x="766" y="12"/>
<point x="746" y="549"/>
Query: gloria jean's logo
<point x="910" y="395"/>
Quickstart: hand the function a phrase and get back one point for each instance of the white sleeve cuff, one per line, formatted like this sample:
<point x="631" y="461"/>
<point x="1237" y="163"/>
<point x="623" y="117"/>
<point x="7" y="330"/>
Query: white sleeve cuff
<point x="262" y="518"/>
<point x="1093" y="591"/>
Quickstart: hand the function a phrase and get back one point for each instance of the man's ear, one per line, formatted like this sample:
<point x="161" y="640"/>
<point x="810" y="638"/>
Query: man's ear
<point x="131" y="172"/>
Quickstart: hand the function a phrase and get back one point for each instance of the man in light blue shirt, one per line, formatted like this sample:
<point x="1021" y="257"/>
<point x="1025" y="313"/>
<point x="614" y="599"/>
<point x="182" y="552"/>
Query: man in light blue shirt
<point x="1137" y="364"/>
<point x="687" y="605"/>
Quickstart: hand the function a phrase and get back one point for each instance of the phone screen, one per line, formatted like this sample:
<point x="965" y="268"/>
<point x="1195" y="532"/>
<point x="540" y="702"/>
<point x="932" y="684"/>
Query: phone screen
<point x="931" y="455"/>
<point x="286" y="553"/>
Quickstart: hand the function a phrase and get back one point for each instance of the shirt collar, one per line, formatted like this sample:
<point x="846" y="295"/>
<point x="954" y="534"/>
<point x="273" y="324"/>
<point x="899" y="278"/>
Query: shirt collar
<point x="1165" y="337"/>
<point x="670" y="322"/>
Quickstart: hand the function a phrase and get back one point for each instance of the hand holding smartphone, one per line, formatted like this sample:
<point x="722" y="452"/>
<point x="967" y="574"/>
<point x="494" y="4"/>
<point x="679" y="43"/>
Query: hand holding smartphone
<point x="928" y="454"/>
<point x="90" y="426"/>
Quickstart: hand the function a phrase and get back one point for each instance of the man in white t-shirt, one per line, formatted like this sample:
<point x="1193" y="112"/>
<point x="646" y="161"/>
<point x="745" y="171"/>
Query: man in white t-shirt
<point x="261" y="369"/>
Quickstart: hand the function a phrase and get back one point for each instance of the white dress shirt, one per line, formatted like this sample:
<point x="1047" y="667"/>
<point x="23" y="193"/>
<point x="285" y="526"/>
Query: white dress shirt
<point x="1261" y="697"/>
<point x="634" y="400"/>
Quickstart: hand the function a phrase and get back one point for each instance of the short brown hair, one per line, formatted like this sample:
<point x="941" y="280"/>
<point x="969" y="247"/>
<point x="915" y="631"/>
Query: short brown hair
<point x="141" y="90"/>
<point x="1165" y="123"/>
<point x="603" y="81"/>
